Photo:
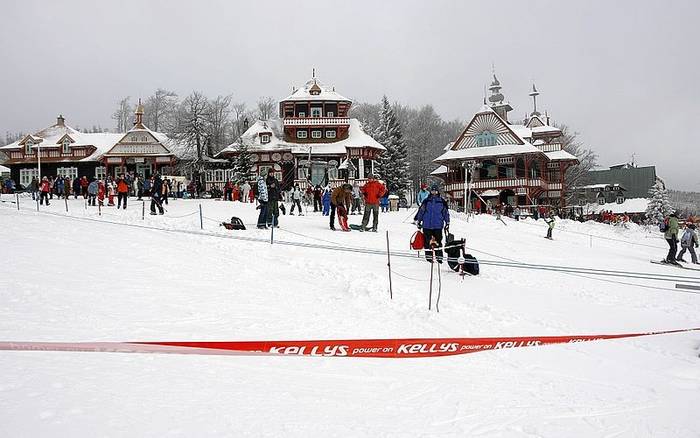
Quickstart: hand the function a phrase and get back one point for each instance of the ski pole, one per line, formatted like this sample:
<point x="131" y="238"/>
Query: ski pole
<point x="388" y="264"/>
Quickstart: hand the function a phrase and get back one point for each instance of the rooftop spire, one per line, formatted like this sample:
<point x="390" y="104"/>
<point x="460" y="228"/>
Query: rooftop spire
<point x="138" y="121"/>
<point x="534" y="93"/>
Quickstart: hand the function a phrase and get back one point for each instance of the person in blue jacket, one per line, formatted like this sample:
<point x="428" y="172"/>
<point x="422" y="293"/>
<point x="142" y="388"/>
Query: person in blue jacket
<point x="326" y="201"/>
<point x="423" y="194"/>
<point x="433" y="216"/>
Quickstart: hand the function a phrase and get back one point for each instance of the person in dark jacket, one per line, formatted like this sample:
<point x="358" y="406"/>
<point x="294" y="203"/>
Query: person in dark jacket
<point x="433" y="216"/>
<point x="318" y="192"/>
<point x="157" y="195"/>
<point x="273" y="197"/>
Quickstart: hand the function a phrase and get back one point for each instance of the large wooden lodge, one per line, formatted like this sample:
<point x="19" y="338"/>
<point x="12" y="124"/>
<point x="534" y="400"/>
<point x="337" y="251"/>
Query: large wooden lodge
<point x="501" y="162"/>
<point x="60" y="150"/>
<point x="313" y="141"/>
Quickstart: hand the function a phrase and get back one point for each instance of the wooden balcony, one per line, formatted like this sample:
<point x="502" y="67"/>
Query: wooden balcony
<point x="316" y="121"/>
<point x="552" y="147"/>
<point x="508" y="183"/>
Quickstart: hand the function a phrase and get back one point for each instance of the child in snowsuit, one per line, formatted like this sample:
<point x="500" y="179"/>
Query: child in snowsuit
<point x="689" y="242"/>
<point x="384" y="203"/>
<point x="326" y="200"/>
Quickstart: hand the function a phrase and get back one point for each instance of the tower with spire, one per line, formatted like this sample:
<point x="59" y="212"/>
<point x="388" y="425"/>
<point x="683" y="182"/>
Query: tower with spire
<point x="497" y="101"/>
<point x="138" y="120"/>
<point x="534" y="93"/>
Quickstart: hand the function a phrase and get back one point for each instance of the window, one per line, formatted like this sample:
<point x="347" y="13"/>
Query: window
<point x="620" y="199"/>
<point x="302" y="134"/>
<point x="315" y="134"/>
<point x="303" y="172"/>
<point x="144" y="138"/>
<point x="264" y="138"/>
<point x="601" y="200"/>
<point x="100" y="172"/>
<point x="70" y="172"/>
<point x="66" y="146"/>
<point x="218" y="175"/>
<point x="332" y="172"/>
<point x="28" y="147"/>
<point x="330" y="133"/>
<point x="301" y="114"/>
<point x="330" y="114"/>
<point x="486" y="138"/>
<point x="26" y="175"/>
<point x="316" y="112"/>
<point x="134" y="138"/>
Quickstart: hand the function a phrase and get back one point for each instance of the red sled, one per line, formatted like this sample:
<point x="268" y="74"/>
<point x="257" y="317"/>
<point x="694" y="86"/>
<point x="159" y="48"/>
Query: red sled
<point x="418" y="241"/>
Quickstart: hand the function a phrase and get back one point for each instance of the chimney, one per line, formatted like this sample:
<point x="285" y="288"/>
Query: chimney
<point x="60" y="121"/>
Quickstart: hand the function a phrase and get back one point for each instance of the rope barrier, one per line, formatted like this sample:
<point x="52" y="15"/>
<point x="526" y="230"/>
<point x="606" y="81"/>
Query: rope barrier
<point x="410" y="255"/>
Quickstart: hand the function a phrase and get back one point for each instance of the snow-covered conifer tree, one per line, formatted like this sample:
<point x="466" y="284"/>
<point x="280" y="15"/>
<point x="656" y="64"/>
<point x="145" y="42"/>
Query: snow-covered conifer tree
<point x="393" y="166"/>
<point x="659" y="207"/>
<point x="243" y="163"/>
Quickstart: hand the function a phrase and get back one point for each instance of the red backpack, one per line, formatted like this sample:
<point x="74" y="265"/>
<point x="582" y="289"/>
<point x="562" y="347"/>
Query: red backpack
<point x="418" y="240"/>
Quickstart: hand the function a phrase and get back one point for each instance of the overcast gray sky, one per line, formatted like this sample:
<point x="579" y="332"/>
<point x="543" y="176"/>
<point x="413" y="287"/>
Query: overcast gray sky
<point x="624" y="74"/>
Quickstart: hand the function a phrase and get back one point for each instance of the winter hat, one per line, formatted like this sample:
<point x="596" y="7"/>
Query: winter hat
<point x="435" y="188"/>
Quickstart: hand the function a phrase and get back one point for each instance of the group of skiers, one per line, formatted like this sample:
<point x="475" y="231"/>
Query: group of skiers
<point x="342" y="200"/>
<point x="688" y="240"/>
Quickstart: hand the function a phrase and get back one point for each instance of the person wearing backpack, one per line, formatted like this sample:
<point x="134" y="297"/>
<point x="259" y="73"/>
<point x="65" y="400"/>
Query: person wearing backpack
<point x="689" y="242"/>
<point x="433" y="216"/>
<point x="671" y="236"/>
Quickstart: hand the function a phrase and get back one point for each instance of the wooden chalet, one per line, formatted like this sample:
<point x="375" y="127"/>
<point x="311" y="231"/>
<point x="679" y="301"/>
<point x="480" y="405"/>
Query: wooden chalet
<point x="313" y="142"/>
<point x="502" y="162"/>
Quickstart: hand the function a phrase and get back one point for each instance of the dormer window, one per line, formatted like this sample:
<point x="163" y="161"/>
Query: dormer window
<point x="66" y="146"/>
<point x="28" y="147"/>
<point x="264" y="138"/>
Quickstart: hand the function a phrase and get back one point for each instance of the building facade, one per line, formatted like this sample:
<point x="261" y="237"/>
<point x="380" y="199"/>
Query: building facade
<point x="636" y="180"/>
<point x="314" y="142"/>
<point x="501" y="162"/>
<point x="60" y="150"/>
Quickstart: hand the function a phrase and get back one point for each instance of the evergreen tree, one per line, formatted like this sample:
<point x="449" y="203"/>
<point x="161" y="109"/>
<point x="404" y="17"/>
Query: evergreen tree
<point x="243" y="163"/>
<point x="659" y="207"/>
<point x="393" y="166"/>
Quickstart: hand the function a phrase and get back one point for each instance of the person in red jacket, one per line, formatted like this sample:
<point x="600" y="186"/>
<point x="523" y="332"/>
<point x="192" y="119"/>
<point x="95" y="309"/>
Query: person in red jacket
<point x="44" y="188"/>
<point x="84" y="186"/>
<point x="101" y="193"/>
<point x="122" y="191"/>
<point x="372" y="192"/>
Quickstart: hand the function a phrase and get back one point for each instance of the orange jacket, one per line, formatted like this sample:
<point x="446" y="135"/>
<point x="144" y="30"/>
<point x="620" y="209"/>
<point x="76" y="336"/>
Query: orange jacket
<point x="372" y="191"/>
<point x="122" y="186"/>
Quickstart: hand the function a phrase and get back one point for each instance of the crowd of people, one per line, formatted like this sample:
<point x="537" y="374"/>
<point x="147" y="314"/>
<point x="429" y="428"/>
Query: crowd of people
<point x="671" y="228"/>
<point x="341" y="201"/>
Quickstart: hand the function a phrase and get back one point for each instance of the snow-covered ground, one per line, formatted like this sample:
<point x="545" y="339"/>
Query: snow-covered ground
<point x="93" y="278"/>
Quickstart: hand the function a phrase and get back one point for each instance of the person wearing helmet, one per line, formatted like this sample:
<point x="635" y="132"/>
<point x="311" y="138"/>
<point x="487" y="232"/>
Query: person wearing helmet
<point x="433" y="216"/>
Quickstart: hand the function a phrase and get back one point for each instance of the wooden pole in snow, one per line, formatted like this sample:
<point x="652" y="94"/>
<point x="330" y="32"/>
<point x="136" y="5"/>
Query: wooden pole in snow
<point x="388" y="264"/>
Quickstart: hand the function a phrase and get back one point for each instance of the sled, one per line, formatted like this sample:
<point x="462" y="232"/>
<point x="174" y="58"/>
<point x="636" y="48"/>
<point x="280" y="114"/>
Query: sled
<point x="235" y="224"/>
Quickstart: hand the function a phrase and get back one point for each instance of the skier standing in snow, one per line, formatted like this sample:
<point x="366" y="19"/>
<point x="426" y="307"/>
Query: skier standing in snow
<point x="433" y="216"/>
<point x="372" y="191"/>
<point x="422" y="194"/>
<point x="341" y="199"/>
<point x="122" y="191"/>
<point x="356" y="196"/>
<point x="326" y="200"/>
<point x="44" y="189"/>
<point x="92" y="192"/>
<point x="245" y="190"/>
<point x="273" y="197"/>
<point x="296" y="199"/>
<point x="157" y="195"/>
<point x="671" y="236"/>
<point x="261" y="193"/>
<point x="689" y="242"/>
<point x="550" y="225"/>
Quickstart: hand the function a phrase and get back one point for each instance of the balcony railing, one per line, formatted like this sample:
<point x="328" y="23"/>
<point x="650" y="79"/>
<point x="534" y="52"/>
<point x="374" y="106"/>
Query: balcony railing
<point x="508" y="183"/>
<point x="552" y="147"/>
<point x="316" y="121"/>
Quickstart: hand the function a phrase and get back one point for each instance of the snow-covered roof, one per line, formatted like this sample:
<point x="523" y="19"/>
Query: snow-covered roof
<point x="560" y="155"/>
<point x="633" y="205"/>
<point x="487" y="151"/>
<point x="599" y="186"/>
<point x="357" y="138"/>
<point x="303" y="94"/>
<point x="439" y="171"/>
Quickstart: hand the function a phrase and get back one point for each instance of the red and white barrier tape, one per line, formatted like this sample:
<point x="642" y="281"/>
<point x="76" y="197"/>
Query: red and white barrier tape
<point x="385" y="348"/>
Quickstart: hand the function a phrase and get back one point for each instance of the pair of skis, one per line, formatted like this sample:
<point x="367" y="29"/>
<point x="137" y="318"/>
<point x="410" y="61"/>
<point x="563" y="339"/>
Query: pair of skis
<point x="676" y="265"/>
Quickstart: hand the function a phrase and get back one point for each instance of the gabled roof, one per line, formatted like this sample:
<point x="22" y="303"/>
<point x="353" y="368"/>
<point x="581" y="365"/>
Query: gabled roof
<point x="326" y="93"/>
<point x="357" y="138"/>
